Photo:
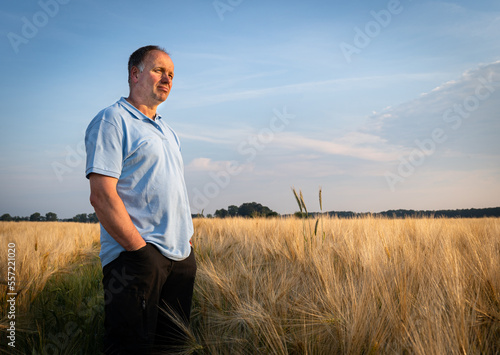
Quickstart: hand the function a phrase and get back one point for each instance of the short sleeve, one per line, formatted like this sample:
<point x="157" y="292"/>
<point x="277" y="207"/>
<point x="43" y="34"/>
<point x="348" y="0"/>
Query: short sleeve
<point x="104" y="147"/>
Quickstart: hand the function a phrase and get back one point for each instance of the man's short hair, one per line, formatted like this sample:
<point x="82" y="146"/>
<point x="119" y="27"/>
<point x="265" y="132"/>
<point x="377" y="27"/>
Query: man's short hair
<point x="137" y="58"/>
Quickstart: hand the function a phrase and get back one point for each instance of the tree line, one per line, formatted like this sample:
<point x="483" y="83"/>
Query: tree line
<point x="51" y="217"/>
<point x="401" y="213"/>
<point x="247" y="210"/>
<point x="254" y="209"/>
<point x="257" y="210"/>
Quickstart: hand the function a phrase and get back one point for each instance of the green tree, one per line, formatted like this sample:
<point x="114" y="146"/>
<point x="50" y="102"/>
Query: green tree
<point x="246" y="209"/>
<point x="82" y="218"/>
<point x="35" y="217"/>
<point x="93" y="218"/>
<point x="300" y="215"/>
<point x="6" y="217"/>
<point x="254" y="209"/>
<point x="232" y="211"/>
<point x="222" y="213"/>
<point x="50" y="217"/>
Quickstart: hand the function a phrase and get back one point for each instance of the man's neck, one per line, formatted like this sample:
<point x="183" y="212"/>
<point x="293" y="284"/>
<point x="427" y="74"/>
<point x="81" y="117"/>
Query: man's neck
<point x="149" y="111"/>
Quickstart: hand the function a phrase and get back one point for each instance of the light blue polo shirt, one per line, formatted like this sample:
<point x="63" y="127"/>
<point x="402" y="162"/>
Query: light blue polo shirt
<point x="144" y="155"/>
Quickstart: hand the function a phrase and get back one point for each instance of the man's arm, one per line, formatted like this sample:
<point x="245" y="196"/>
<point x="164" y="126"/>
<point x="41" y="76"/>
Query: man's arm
<point x="112" y="213"/>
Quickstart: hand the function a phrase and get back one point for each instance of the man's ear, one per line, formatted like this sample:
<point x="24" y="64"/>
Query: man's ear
<point x="134" y="74"/>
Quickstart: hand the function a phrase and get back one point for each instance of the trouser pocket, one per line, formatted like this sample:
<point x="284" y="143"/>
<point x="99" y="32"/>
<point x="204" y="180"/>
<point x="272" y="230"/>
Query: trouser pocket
<point x="130" y="317"/>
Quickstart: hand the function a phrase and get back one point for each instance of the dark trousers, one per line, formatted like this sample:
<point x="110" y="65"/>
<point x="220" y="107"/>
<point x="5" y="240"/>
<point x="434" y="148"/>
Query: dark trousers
<point x="147" y="301"/>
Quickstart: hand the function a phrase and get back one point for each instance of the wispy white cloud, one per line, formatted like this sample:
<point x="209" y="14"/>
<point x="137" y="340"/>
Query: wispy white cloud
<point x="473" y="24"/>
<point x="366" y="154"/>
<point x="331" y="85"/>
<point x="212" y="134"/>
<point x="206" y="164"/>
<point x="204" y="81"/>
<point x="354" y="144"/>
<point x="204" y="138"/>
<point x="447" y="19"/>
<point x="203" y="164"/>
<point x="471" y="99"/>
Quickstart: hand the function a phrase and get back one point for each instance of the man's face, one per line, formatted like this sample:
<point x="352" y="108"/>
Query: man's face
<point x="153" y="84"/>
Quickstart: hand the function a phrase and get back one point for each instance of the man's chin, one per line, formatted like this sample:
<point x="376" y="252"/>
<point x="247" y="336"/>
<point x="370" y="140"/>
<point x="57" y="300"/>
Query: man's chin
<point x="161" y="97"/>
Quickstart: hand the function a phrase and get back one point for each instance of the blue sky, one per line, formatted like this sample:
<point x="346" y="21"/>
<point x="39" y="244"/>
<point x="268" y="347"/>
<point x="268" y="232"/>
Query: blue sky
<point x="384" y="104"/>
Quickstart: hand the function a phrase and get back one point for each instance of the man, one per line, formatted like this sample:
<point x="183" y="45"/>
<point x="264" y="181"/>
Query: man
<point x="138" y="192"/>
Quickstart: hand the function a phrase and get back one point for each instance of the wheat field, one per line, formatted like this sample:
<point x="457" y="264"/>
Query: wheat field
<point x="43" y="249"/>
<point x="281" y="286"/>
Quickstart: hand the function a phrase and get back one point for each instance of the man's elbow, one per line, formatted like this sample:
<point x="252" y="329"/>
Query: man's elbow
<point x="94" y="201"/>
<point x="102" y="191"/>
<point x="98" y="198"/>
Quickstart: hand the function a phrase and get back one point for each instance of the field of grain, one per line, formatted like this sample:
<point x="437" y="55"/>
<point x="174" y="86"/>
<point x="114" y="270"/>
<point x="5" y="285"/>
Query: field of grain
<point x="278" y="286"/>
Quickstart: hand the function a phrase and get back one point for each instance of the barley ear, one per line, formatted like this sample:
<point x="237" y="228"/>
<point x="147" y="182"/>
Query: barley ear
<point x="303" y="203"/>
<point x="297" y="198"/>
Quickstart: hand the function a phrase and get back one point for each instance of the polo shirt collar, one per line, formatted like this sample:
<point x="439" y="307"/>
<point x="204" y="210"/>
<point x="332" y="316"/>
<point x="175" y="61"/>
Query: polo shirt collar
<point x="135" y="112"/>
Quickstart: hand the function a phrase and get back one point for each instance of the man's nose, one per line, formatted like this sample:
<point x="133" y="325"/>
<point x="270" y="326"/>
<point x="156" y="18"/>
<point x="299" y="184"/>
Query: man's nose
<point x="166" y="78"/>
